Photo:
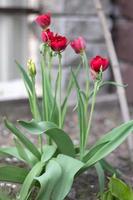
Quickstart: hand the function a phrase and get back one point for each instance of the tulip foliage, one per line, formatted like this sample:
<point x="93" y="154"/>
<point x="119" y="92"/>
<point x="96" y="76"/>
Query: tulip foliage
<point x="55" y="161"/>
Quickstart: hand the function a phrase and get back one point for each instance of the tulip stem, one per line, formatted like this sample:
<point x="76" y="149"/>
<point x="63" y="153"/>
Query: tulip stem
<point x="60" y="79"/>
<point x="85" y="63"/>
<point x="91" y="112"/>
<point x="36" y="111"/>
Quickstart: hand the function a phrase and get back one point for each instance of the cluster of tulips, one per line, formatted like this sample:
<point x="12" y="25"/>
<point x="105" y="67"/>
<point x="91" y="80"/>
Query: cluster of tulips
<point x="59" y="43"/>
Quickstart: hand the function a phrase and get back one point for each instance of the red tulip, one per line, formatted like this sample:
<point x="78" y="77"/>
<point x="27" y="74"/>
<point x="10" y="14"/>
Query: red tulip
<point x="98" y="63"/>
<point x="78" y="45"/>
<point x="58" y="43"/>
<point x="47" y="35"/>
<point x="44" y="20"/>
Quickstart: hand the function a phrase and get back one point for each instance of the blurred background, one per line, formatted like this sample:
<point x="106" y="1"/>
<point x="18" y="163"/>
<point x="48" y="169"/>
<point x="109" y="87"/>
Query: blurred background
<point x="20" y="36"/>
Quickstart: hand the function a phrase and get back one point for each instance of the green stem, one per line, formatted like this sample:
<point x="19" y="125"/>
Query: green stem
<point x="49" y="63"/>
<point x="60" y="79"/>
<point x="44" y="97"/>
<point x="91" y="112"/>
<point x="85" y="64"/>
<point x="35" y="110"/>
<point x="44" y="100"/>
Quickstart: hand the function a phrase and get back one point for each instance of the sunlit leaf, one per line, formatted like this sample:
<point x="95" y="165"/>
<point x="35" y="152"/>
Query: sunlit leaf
<point x="120" y="190"/>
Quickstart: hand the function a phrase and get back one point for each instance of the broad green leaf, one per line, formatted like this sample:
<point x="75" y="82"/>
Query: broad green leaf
<point x="114" y="138"/>
<point x="37" y="128"/>
<point x="101" y="176"/>
<point x="48" y="152"/>
<point x="70" y="167"/>
<point x="25" y="141"/>
<point x="48" y="180"/>
<point x="25" y="189"/>
<point x="13" y="174"/>
<point x="120" y="190"/>
<point x="62" y="140"/>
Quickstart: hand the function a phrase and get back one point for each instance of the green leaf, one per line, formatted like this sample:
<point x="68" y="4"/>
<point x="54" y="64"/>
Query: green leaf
<point x="70" y="167"/>
<point x="120" y="190"/>
<point x="92" y="151"/>
<point x="107" y="196"/>
<point x="25" y="141"/>
<point x="68" y="92"/>
<point x="48" y="180"/>
<point x="111" y="141"/>
<point x="37" y="128"/>
<point x="25" y="77"/>
<point x="48" y="152"/>
<point x="54" y="105"/>
<point x="81" y="114"/>
<point x="29" y="180"/>
<point x="22" y="151"/>
<point x="29" y="85"/>
<point x="113" y="83"/>
<point x="101" y="176"/>
<point x="4" y="195"/>
<point x="9" y="151"/>
<point x="48" y="101"/>
<point x="13" y="174"/>
<point x="62" y="140"/>
<point x="109" y="168"/>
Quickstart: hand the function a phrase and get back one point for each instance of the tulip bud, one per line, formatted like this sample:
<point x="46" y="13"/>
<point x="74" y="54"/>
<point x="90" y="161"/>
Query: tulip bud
<point x="78" y="45"/>
<point x="31" y="67"/>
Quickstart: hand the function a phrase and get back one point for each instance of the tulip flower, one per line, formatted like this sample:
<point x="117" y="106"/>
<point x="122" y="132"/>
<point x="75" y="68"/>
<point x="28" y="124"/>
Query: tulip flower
<point x="44" y="20"/>
<point x="58" y="43"/>
<point x="78" y="45"/>
<point x="99" y="63"/>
